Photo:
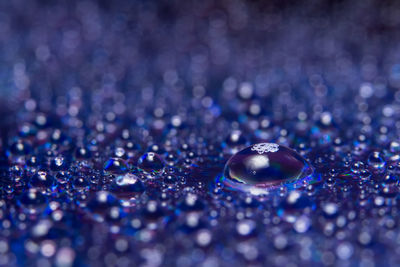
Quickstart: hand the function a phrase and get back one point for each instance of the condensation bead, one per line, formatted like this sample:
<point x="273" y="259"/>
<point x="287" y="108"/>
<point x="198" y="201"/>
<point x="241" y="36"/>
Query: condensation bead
<point x="116" y="166"/>
<point x="127" y="186"/>
<point x="266" y="165"/>
<point x="151" y="162"/>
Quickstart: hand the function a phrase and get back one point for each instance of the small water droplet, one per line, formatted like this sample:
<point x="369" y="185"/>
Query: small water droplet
<point x="151" y="162"/>
<point x="116" y="166"/>
<point x="127" y="187"/>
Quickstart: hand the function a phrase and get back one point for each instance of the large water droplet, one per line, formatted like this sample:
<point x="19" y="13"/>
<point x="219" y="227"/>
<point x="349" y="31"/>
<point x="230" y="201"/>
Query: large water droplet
<point x="263" y="166"/>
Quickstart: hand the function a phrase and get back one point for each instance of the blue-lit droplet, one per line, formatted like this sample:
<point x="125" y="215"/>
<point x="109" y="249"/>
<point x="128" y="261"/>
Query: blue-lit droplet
<point x="235" y="138"/>
<point x="42" y="181"/>
<point x="59" y="163"/>
<point x="264" y="166"/>
<point x="376" y="162"/>
<point x="20" y="148"/>
<point x="127" y="186"/>
<point x="153" y="211"/>
<point x="80" y="183"/>
<point x="295" y="205"/>
<point x="151" y="162"/>
<point x="82" y="153"/>
<point x="191" y="203"/>
<point x="100" y="204"/>
<point x="32" y="201"/>
<point x="116" y="166"/>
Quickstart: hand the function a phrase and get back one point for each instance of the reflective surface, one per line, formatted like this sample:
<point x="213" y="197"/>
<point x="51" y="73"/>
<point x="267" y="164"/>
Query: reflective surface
<point x="266" y="165"/>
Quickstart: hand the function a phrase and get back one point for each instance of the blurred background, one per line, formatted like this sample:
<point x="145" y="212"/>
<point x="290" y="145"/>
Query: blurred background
<point x="76" y="57"/>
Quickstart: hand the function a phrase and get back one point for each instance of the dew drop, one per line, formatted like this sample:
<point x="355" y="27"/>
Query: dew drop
<point x="42" y="181"/>
<point x="264" y="166"/>
<point x="151" y="162"/>
<point x="20" y="148"/>
<point x="116" y="166"/>
<point x="59" y="163"/>
<point x="100" y="204"/>
<point x="330" y="209"/>
<point x="376" y="161"/>
<point x="294" y="205"/>
<point x="127" y="186"/>
<point x="245" y="227"/>
<point x="32" y="201"/>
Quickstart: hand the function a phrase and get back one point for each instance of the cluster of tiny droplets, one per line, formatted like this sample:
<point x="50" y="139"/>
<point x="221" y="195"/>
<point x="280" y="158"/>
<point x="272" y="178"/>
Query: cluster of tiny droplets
<point x="117" y="116"/>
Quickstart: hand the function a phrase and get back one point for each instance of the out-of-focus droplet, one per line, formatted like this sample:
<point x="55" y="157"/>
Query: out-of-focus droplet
<point x="127" y="186"/>
<point x="116" y="166"/>
<point x="151" y="162"/>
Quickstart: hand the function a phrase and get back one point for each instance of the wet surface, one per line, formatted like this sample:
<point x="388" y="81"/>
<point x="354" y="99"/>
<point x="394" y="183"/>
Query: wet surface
<point x="199" y="133"/>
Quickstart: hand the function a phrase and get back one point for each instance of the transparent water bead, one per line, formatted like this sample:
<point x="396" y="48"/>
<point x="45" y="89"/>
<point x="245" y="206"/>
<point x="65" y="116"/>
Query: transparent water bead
<point x="116" y="166"/>
<point x="264" y="166"/>
<point x="127" y="186"/>
<point x="151" y="162"/>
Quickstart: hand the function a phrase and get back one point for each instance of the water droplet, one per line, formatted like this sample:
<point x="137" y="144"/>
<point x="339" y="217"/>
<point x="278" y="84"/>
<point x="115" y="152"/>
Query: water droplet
<point x="263" y="166"/>
<point x="80" y="183"/>
<point x="151" y="162"/>
<point x="191" y="204"/>
<point x="116" y="166"/>
<point x="59" y="163"/>
<point x="100" y="204"/>
<point x="245" y="227"/>
<point x="344" y="251"/>
<point x="294" y="205"/>
<point x="376" y="161"/>
<point x="32" y="201"/>
<point x="357" y="167"/>
<point x="235" y="138"/>
<point x="20" y="148"/>
<point x="330" y="209"/>
<point x="203" y="237"/>
<point x="127" y="186"/>
<point x="153" y="211"/>
<point x="82" y="153"/>
<point x="302" y="224"/>
<point x="42" y="181"/>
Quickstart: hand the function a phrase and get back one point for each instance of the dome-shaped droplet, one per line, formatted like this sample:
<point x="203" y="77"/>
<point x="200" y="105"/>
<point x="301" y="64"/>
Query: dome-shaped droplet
<point x="82" y="153"/>
<point x="191" y="203"/>
<point x="32" y="201"/>
<point x="116" y="166"/>
<point x="152" y="212"/>
<point x="20" y="148"/>
<point x="100" y="203"/>
<point x="376" y="162"/>
<point x="235" y="138"/>
<point x="264" y="166"/>
<point x="59" y="163"/>
<point x="151" y="162"/>
<point x="294" y="205"/>
<point x="80" y="183"/>
<point x="42" y="181"/>
<point x="127" y="186"/>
